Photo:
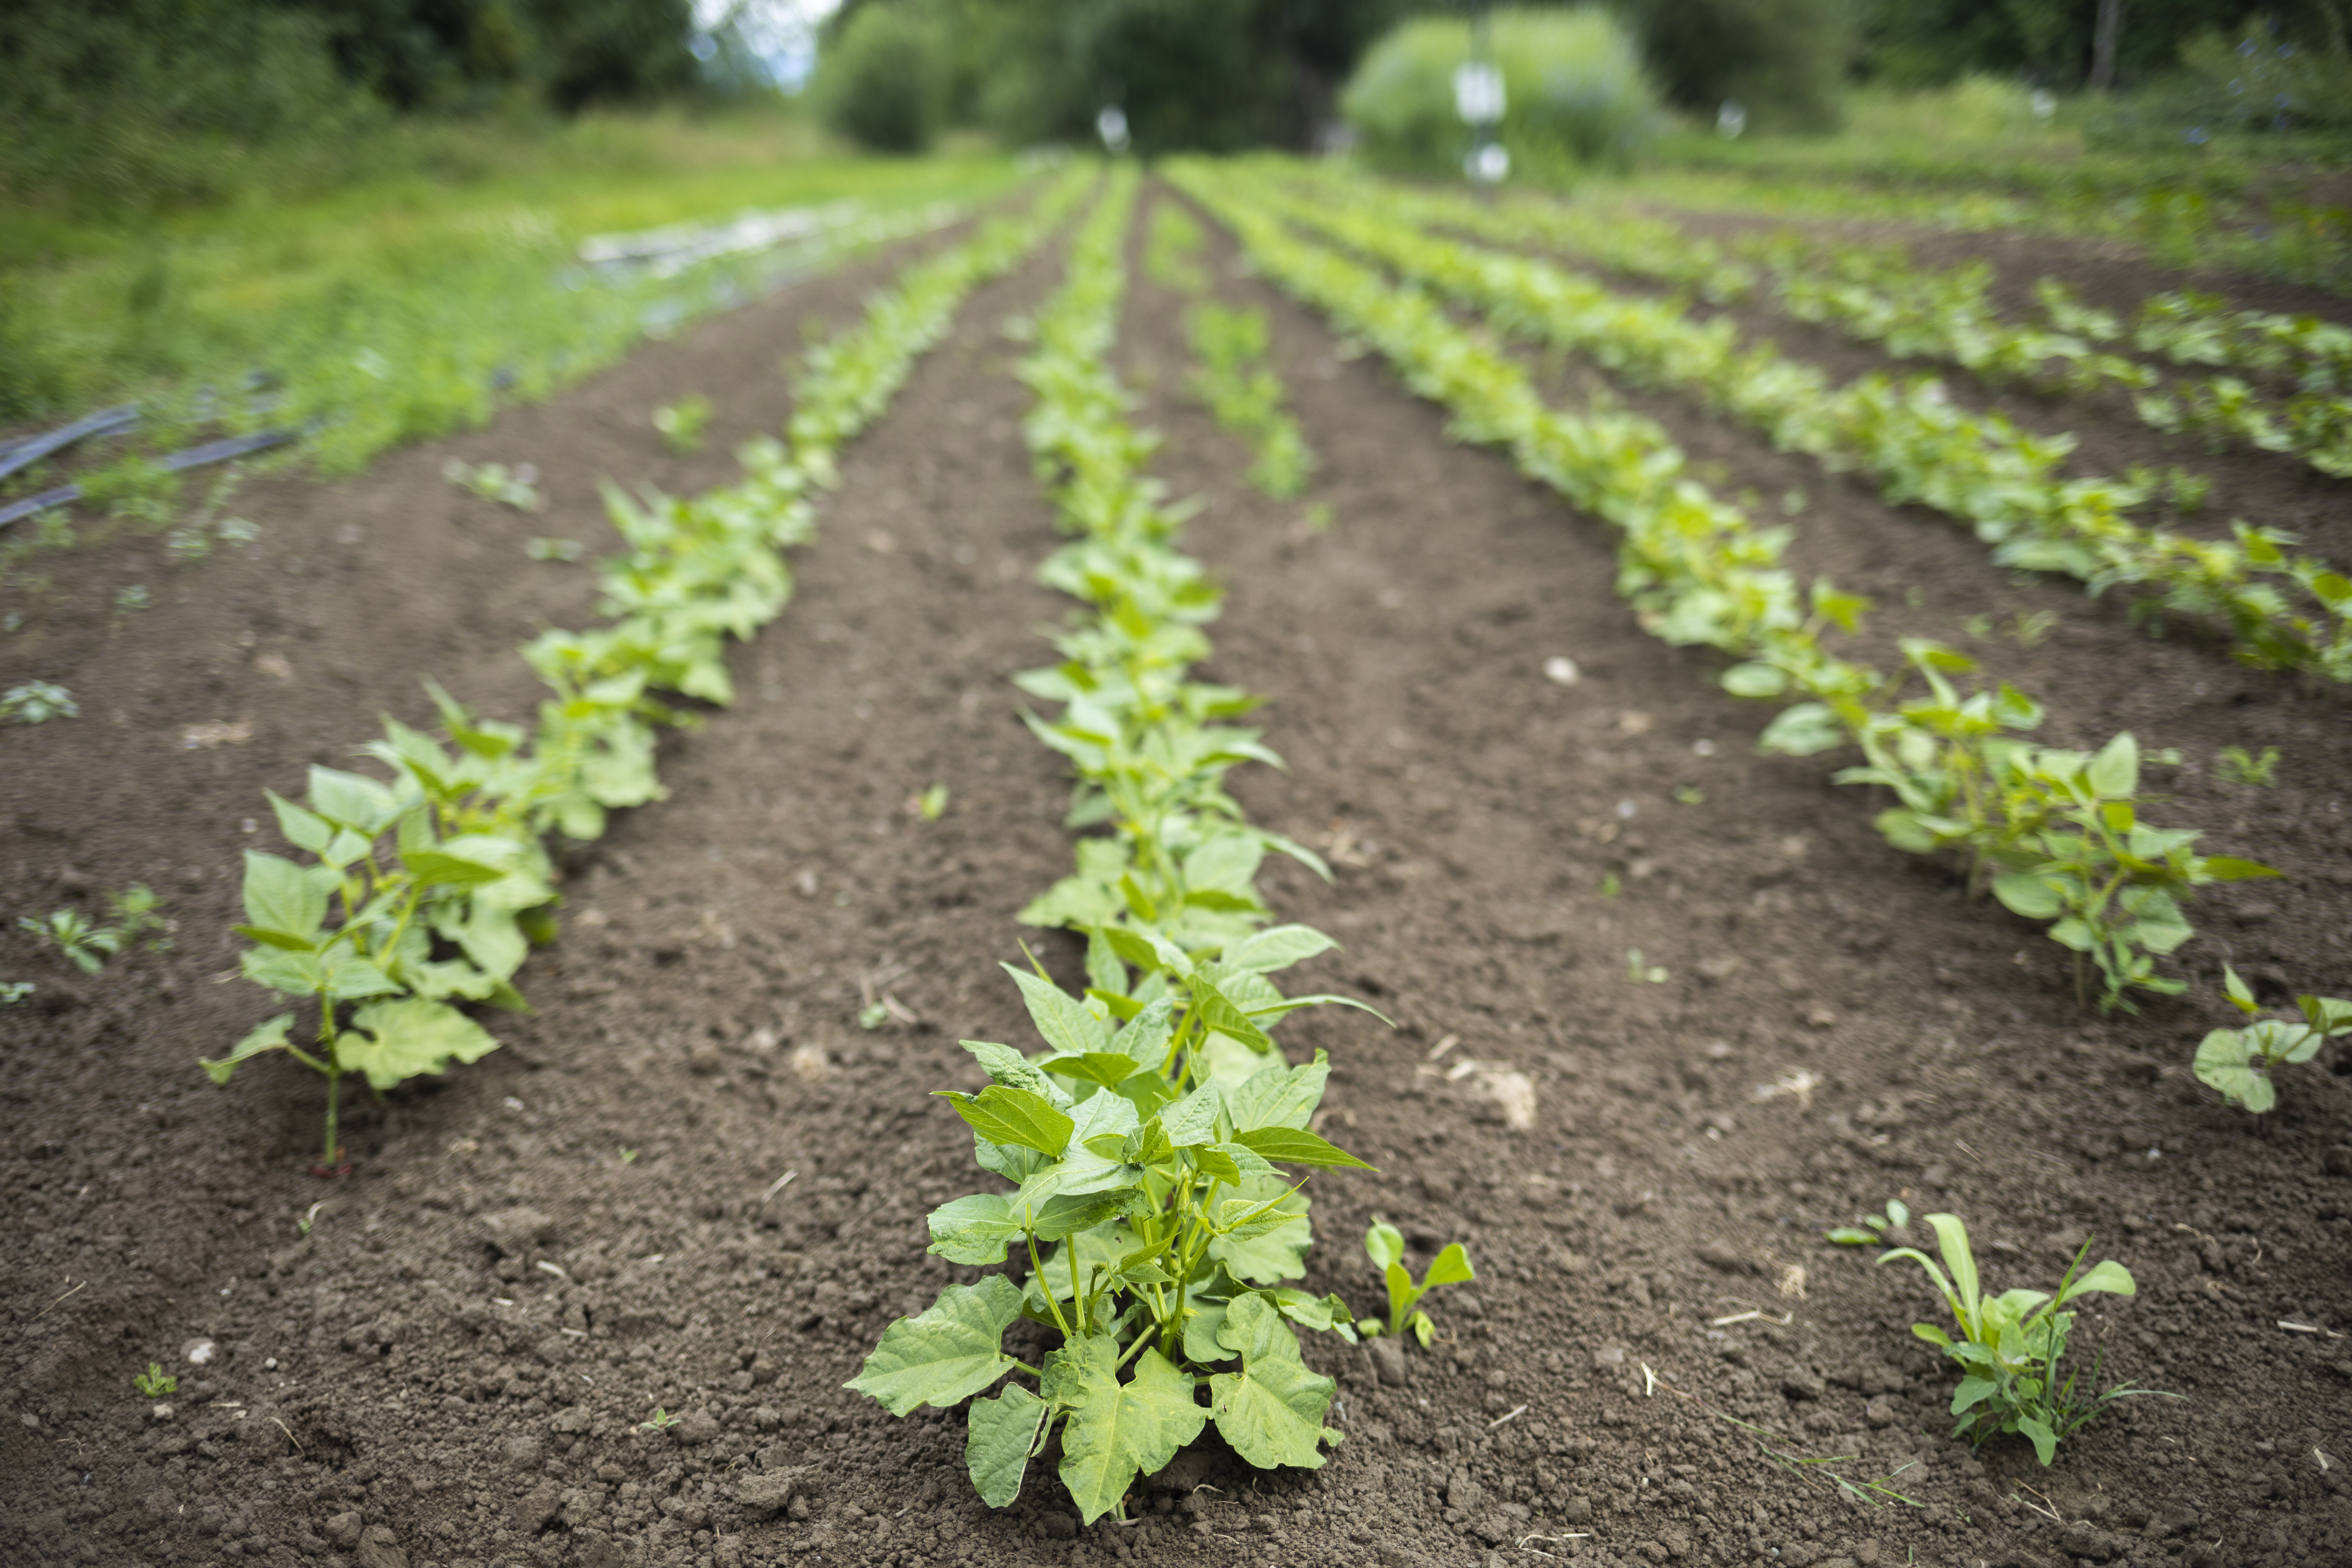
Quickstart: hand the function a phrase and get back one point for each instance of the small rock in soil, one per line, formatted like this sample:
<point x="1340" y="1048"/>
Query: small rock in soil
<point x="697" y="1427"/>
<point x="1059" y="1526"/>
<point x="343" y="1530"/>
<point x="1719" y="1255"/>
<point x="517" y="1230"/>
<point x="535" y="1508"/>
<point x="524" y="1453"/>
<point x="1387" y="1359"/>
<point x="1879" y="1413"/>
<point x="767" y="1493"/>
<point x="379" y="1548"/>
<point x="1802" y="1385"/>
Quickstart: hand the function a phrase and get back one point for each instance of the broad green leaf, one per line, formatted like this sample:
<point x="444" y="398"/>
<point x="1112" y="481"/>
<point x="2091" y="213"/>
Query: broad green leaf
<point x="1000" y="1435"/>
<point x="1803" y="730"/>
<point x="1193" y="1119"/>
<point x="2026" y="894"/>
<point x="1060" y="1018"/>
<point x="353" y="800"/>
<point x="1014" y="1116"/>
<point x="2232" y="868"/>
<point x="1116" y="1430"/>
<point x="287" y="901"/>
<point x="1450" y="1267"/>
<point x="1754" y="680"/>
<point x="394" y="1041"/>
<point x="303" y="829"/>
<point x="1243" y="1219"/>
<point x="1952" y="1241"/>
<point x="1971" y="1393"/>
<point x="268" y="1036"/>
<point x="1283" y="1097"/>
<point x="1270" y="1411"/>
<point x="1849" y="1235"/>
<point x="1324" y="1313"/>
<point x="2045" y="1441"/>
<point x="1219" y="1013"/>
<point x="1385" y="1242"/>
<point x="1248" y="1164"/>
<point x="2225" y="1065"/>
<point x="442" y="868"/>
<point x="949" y="1351"/>
<point x="974" y="1230"/>
<point x="1203" y="1322"/>
<point x="2108" y="1275"/>
<point x="1010" y="1067"/>
<point x="1107" y="1068"/>
<point x="1296" y="1146"/>
<point x="1105" y="972"/>
<point x="1275" y="1256"/>
<point x="1277" y="947"/>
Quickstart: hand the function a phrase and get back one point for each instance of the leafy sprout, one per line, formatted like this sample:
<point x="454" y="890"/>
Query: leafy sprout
<point x="681" y="423"/>
<point x="155" y="1383"/>
<point x="2010" y="1345"/>
<point x="38" y="702"/>
<point x="1873" y="1230"/>
<point x="2236" y="766"/>
<point x="15" y="991"/>
<point x="1385" y="1245"/>
<point x="661" y="1421"/>
<point x="2237" y="1063"/>
<point x="71" y="932"/>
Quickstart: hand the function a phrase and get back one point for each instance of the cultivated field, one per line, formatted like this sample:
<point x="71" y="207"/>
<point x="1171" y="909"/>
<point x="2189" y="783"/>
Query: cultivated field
<point x="1618" y="736"/>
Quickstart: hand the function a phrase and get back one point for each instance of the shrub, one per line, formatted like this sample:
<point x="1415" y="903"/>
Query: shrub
<point x="883" y="83"/>
<point x="1574" y="90"/>
<point x="1784" y="59"/>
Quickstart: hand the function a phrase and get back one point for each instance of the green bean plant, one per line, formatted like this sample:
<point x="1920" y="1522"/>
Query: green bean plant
<point x="1385" y="1244"/>
<point x="2010" y="1345"/>
<point x="1700" y="572"/>
<point x="2237" y="1064"/>
<point x="1246" y="395"/>
<point x="427" y="891"/>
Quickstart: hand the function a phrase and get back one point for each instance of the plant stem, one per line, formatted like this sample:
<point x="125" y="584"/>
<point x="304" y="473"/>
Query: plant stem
<point x="335" y="1074"/>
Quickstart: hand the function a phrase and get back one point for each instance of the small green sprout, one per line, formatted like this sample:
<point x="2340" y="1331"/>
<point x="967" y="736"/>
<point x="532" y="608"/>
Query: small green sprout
<point x="2011" y="1343"/>
<point x="1385" y="1242"/>
<point x="933" y="803"/>
<point x="155" y="1383"/>
<point x="38" y="702"/>
<point x="2237" y="765"/>
<point x="554" y="549"/>
<point x="13" y="991"/>
<point x="1610" y="884"/>
<point x="515" y="487"/>
<point x="662" y="1421"/>
<point x="1641" y="973"/>
<point x="2031" y="630"/>
<point x="134" y="597"/>
<point x="1896" y="1217"/>
<point x="629" y="1156"/>
<point x="135" y="916"/>
<point x="681" y="423"/>
<point x="2237" y="1063"/>
<point x="873" y="1015"/>
<point x="1689" y="794"/>
<point x="72" y="933"/>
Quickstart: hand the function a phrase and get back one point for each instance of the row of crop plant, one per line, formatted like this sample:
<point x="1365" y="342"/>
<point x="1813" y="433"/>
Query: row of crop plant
<point x="2055" y="835"/>
<point x="431" y="889"/>
<point x="1982" y="470"/>
<point x="1161" y="1237"/>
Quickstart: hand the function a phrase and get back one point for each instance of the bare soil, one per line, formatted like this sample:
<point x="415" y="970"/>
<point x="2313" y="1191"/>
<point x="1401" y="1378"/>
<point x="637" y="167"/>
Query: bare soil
<point x="451" y="1366"/>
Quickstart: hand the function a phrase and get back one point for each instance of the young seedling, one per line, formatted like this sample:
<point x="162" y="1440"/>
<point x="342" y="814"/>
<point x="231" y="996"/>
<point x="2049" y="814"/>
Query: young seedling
<point x="933" y="802"/>
<point x="515" y="487"/>
<point x="1385" y="1244"/>
<point x="13" y="991"/>
<point x="2236" y="766"/>
<point x="1873" y="1230"/>
<point x="2010" y="1345"/>
<point x="2237" y="1063"/>
<point x="38" y="702"/>
<point x="134" y="913"/>
<point x="662" y="1421"/>
<point x="88" y="946"/>
<point x="681" y="423"/>
<point x="155" y="1383"/>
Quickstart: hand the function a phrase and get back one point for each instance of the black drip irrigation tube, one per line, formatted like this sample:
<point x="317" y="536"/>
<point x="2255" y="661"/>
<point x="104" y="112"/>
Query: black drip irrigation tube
<point x="191" y="457"/>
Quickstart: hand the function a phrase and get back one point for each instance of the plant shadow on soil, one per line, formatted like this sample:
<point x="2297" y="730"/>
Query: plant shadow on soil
<point x="452" y="1366"/>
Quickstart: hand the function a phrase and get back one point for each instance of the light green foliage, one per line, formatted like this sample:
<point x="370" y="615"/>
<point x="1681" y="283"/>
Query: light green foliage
<point x="2237" y="1063"/>
<point x="1138" y="1154"/>
<point x="2237" y="765"/>
<point x="1246" y="395"/>
<point x="419" y="299"/>
<point x="517" y="486"/>
<point x="133" y="909"/>
<point x="933" y="802"/>
<point x="1171" y="251"/>
<point x="1385" y="1245"/>
<point x="681" y="423"/>
<point x="430" y="889"/>
<point x="2061" y="829"/>
<point x="1573" y="86"/>
<point x="15" y="991"/>
<point x="86" y="944"/>
<point x="38" y="702"/>
<point x="2003" y="482"/>
<point x="155" y="1382"/>
<point x="1873" y="1230"/>
<point x="2010" y="1344"/>
<point x="660" y="1421"/>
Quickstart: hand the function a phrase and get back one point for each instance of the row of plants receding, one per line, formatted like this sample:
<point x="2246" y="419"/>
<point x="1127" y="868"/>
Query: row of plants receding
<point x="1233" y="377"/>
<point x="1873" y="293"/>
<point x="1980" y="469"/>
<point x="429" y="889"/>
<point x="2056" y="834"/>
<point x="1160" y="1237"/>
